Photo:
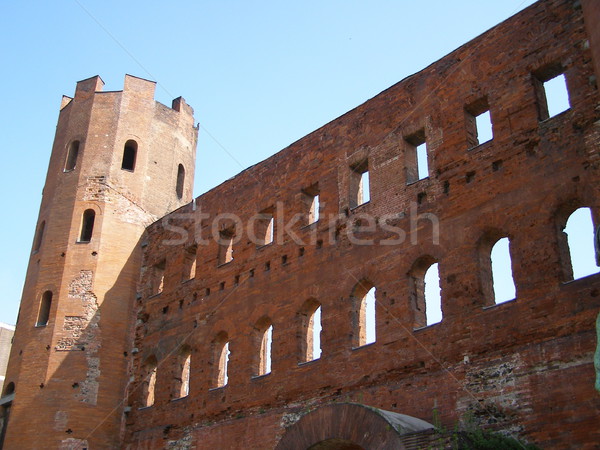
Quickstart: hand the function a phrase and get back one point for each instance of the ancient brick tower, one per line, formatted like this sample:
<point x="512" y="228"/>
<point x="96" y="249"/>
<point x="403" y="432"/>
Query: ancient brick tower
<point x="120" y="161"/>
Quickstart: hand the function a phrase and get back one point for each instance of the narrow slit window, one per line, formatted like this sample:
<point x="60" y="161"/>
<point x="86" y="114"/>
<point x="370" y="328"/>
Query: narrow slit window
<point x="129" y="156"/>
<point x="189" y="263"/>
<point x="158" y="277"/>
<point x="424" y="292"/>
<point x="39" y="236"/>
<point x="310" y="333"/>
<point x="149" y="382"/>
<point x="360" y="189"/>
<point x="364" y="314"/>
<point x="265" y="351"/>
<point x="72" y="153"/>
<point x="416" y="157"/>
<point x="180" y="181"/>
<point x="551" y="91"/>
<point x="580" y="238"/>
<point x="263" y="332"/>
<point x="310" y="198"/>
<point x="182" y="377"/>
<point x="265" y="227"/>
<point x="222" y="367"/>
<point x="87" y="225"/>
<point x="503" y="283"/>
<point x="44" y="313"/>
<point x="226" y="238"/>
<point x="433" y="304"/>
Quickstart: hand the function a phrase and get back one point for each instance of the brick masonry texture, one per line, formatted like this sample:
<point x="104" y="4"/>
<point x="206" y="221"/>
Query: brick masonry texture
<point x="523" y="367"/>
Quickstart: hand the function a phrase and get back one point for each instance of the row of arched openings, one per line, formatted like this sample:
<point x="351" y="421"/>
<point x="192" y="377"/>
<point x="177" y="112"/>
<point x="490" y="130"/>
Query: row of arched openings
<point x="425" y="299"/>
<point x="128" y="162"/>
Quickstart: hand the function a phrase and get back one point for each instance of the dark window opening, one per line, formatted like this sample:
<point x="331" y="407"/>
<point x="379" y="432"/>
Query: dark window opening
<point x="44" y="313"/>
<point x="180" y="181"/>
<point x="87" y="225"/>
<point x="72" y="154"/>
<point x="129" y="156"/>
<point x="39" y="235"/>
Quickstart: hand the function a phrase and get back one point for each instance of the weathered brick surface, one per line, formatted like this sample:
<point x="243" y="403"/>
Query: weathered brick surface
<point x="70" y="375"/>
<point x="524" y="367"/>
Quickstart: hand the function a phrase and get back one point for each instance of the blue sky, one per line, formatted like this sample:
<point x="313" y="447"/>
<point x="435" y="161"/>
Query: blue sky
<point x="259" y="74"/>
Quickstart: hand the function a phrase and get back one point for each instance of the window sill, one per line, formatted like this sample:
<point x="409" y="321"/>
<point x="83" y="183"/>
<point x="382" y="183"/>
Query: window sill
<point x="260" y="377"/>
<point x="550" y="119"/>
<point x="354" y="208"/>
<point x="496" y="305"/>
<point x="370" y="344"/>
<point x="411" y="183"/>
<point x="480" y="146"/>
<point x="217" y="388"/>
<point x="307" y="363"/>
<point x="426" y="327"/>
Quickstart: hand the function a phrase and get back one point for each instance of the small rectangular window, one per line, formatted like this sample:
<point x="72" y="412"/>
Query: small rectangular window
<point x="478" y="123"/>
<point x="417" y="166"/>
<point x="265" y="227"/>
<point x="310" y="198"/>
<point x="551" y="91"/>
<point x="189" y="263"/>
<point x="226" y="246"/>
<point x="360" y="189"/>
<point x="158" y="277"/>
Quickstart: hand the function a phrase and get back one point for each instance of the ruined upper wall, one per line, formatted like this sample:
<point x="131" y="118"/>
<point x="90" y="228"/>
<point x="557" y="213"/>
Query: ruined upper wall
<point x="506" y="364"/>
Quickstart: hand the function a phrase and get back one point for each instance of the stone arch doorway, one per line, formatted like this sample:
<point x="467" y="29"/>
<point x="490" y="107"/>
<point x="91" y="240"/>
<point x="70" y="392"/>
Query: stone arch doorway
<point x="350" y="426"/>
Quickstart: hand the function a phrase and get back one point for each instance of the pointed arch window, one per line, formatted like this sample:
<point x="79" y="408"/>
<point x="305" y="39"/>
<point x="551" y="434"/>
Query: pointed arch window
<point x="129" y="156"/>
<point x="87" y="225"/>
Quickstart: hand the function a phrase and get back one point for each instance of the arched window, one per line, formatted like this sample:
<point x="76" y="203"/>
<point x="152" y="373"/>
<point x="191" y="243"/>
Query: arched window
<point x="87" y="225"/>
<point x="181" y="387"/>
<point x="364" y="319"/>
<point x="579" y="231"/>
<point x="180" y="181"/>
<point x="129" y="156"/>
<point x="220" y="360"/>
<point x="72" y="154"/>
<point x="310" y="331"/>
<point x="263" y="332"/>
<point x="44" y="312"/>
<point x="502" y="278"/>
<point x="149" y="381"/>
<point x="39" y="235"/>
<point x="424" y="285"/>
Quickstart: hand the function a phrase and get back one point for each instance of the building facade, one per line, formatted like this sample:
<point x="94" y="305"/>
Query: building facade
<point x="289" y="306"/>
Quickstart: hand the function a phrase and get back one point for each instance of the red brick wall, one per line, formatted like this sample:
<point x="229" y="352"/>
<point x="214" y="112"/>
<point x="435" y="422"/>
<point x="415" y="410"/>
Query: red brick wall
<point x="524" y="366"/>
<point x="70" y="375"/>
